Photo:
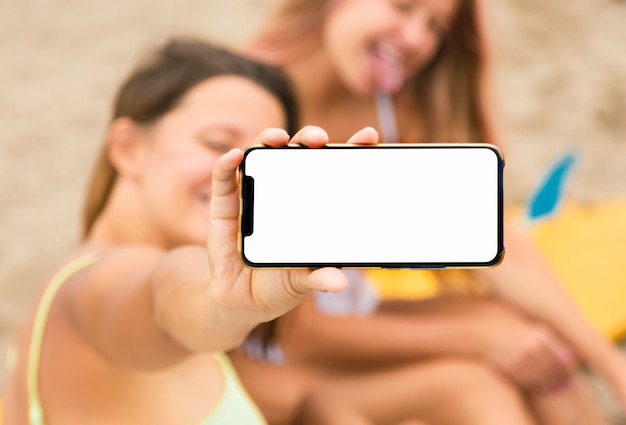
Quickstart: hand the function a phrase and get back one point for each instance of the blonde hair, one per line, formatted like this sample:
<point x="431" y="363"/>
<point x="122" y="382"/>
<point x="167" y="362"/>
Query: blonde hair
<point x="449" y="93"/>
<point x="292" y="20"/>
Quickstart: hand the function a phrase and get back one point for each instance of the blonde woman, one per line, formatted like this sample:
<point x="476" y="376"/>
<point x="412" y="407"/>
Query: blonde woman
<point x="417" y="70"/>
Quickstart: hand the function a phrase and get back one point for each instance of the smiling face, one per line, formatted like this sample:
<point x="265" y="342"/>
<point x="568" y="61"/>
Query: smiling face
<point x="378" y="44"/>
<point x="180" y="149"/>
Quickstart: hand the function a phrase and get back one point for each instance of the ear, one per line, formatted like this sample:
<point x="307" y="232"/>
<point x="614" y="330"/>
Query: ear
<point x="125" y="146"/>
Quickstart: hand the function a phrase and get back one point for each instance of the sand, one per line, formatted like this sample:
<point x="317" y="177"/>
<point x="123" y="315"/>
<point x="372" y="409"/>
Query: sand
<point x="559" y="72"/>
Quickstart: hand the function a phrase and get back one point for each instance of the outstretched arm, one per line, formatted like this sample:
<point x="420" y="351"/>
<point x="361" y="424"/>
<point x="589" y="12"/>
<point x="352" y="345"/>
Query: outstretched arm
<point x="146" y="308"/>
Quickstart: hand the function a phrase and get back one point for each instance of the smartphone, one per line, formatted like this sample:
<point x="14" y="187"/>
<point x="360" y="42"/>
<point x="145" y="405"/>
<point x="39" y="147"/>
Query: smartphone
<point x="427" y="206"/>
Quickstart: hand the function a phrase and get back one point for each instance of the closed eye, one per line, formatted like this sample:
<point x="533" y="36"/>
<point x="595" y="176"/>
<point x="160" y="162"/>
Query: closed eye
<point x="404" y="6"/>
<point x="217" y="146"/>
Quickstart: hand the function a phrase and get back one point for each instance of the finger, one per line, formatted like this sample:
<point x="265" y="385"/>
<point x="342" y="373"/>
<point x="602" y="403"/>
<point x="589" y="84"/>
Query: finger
<point x="565" y="372"/>
<point x="273" y="137"/>
<point x="542" y="376"/>
<point x="567" y="358"/>
<point x="549" y="371"/>
<point x="557" y="360"/>
<point x="527" y="373"/>
<point x="540" y="370"/>
<point x="311" y="136"/>
<point x="532" y="362"/>
<point x="328" y="279"/>
<point x="537" y="376"/>
<point x="224" y="187"/>
<point x="365" y="136"/>
<point x="224" y="211"/>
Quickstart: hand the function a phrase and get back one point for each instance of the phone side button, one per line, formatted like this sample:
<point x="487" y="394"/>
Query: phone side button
<point x="247" y="211"/>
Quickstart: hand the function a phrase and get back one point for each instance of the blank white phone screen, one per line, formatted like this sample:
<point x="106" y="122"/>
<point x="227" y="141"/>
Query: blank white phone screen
<point x="365" y="205"/>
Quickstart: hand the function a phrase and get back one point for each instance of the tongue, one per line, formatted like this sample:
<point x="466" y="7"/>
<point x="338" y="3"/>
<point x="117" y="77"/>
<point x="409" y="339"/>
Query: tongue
<point x="388" y="76"/>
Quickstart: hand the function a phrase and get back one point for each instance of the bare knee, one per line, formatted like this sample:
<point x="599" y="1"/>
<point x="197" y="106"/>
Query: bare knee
<point x="477" y="394"/>
<point x="325" y="409"/>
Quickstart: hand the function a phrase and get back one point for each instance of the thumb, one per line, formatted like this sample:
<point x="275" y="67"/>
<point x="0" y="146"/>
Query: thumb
<point x="328" y="279"/>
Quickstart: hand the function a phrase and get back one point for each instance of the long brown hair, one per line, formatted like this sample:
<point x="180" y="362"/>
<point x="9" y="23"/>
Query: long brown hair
<point x="157" y="85"/>
<point x="451" y="88"/>
<point x="449" y="93"/>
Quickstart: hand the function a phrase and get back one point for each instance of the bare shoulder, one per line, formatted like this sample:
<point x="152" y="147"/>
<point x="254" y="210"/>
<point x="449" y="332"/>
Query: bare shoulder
<point x="106" y="272"/>
<point x="123" y="271"/>
<point x="120" y="263"/>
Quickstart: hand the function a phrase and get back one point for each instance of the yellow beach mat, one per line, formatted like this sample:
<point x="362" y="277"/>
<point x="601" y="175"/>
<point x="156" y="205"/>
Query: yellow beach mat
<point x="584" y="244"/>
<point x="404" y="284"/>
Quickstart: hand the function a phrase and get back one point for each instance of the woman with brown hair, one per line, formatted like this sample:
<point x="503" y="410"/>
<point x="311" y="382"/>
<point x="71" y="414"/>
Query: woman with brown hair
<point x="417" y="70"/>
<point x="133" y="327"/>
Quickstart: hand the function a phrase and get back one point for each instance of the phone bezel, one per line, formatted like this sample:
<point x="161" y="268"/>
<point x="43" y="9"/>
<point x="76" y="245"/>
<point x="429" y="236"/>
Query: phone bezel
<point x="245" y="210"/>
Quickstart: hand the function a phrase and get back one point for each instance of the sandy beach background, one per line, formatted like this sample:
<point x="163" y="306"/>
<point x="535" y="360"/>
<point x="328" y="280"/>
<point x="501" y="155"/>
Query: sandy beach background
<point x="559" y="73"/>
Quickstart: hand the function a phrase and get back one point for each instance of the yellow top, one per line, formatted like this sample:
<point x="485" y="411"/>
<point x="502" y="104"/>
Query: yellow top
<point x="234" y="406"/>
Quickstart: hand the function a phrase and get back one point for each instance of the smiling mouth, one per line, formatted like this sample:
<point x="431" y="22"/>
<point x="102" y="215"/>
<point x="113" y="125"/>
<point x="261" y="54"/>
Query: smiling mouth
<point x="387" y="68"/>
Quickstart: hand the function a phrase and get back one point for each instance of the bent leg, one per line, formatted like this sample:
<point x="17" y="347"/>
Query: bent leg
<point x="323" y="409"/>
<point x="289" y="395"/>
<point x="441" y="392"/>
<point x="575" y="405"/>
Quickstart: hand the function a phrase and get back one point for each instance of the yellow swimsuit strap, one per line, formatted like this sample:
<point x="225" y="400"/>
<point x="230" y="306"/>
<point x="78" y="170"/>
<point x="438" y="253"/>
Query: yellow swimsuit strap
<point x="35" y="411"/>
<point x="235" y="405"/>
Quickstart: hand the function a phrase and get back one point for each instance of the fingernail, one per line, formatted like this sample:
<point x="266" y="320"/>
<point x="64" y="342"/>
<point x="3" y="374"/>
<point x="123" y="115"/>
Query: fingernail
<point x="566" y="357"/>
<point x="273" y="133"/>
<point x="315" y="134"/>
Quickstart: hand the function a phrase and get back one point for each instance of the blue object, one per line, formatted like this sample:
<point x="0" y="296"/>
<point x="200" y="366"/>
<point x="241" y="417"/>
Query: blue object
<point x="549" y="193"/>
